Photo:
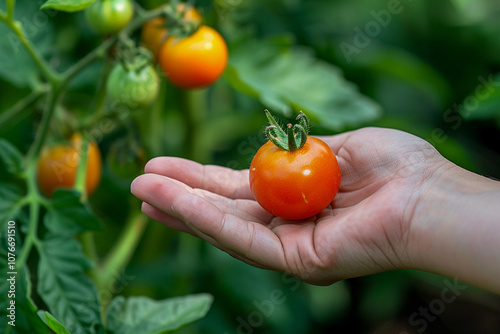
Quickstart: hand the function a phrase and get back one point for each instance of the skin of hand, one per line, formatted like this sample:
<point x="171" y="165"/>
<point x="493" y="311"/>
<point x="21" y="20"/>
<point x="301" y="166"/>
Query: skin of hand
<point x="394" y="191"/>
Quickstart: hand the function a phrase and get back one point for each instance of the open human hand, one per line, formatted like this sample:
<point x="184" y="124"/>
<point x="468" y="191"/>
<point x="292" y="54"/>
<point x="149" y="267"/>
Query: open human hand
<point x="365" y="230"/>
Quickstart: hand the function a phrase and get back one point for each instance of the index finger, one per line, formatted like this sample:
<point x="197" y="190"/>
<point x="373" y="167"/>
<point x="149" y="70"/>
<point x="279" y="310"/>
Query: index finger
<point x="224" y="181"/>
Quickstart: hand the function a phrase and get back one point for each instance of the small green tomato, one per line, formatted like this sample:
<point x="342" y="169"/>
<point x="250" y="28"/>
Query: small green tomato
<point x="109" y="16"/>
<point x="133" y="89"/>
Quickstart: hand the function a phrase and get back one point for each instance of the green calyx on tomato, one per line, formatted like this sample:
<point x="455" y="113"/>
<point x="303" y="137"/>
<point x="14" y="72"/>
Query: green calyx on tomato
<point x="181" y="21"/>
<point x="133" y="81"/>
<point x="295" y="136"/>
<point x="108" y="17"/>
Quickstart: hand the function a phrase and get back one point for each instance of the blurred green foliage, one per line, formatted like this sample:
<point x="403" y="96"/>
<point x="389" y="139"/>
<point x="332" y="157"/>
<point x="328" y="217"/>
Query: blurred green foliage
<point x="426" y="67"/>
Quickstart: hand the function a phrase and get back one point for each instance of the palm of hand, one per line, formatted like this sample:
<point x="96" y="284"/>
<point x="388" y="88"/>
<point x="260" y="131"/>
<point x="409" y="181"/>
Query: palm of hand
<point x="364" y="231"/>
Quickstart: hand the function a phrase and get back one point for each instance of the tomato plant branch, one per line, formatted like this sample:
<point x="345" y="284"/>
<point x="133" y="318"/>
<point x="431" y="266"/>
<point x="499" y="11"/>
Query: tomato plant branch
<point x="194" y="111"/>
<point x="98" y="52"/>
<point x="41" y="134"/>
<point x="47" y="72"/>
<point x="151" y="124"/>
<point x="10" y="9"/>
<point x="101" y="50"/>
<point x="81" y="172"/>
<point x="88" y="246"/>
<point x="31" y="237"/>
<point x="119" y="256"/>
<point x="21" y="106"/>
<point x="138" y="9"/>
<point x="33" y="198"/>
<point x="122" y="251"/>
<point x="100" y="99"/>
<point x="95" y="118"/>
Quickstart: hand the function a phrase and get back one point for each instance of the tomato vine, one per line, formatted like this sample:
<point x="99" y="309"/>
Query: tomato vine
<point x="53" y="90"/>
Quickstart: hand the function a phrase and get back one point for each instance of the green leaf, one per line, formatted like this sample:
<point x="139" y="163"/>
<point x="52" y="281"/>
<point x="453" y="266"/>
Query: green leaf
<point x="10" y="195"/>
<point x="146" y="316"/>
<point x="26" y="306"/>
<point x="26" y="319"/>
<point x="52" y="323"/>
<point x="67" y="5"/>
<point x="68" y="215"/>
<point x="68" y="292"/>
<point x="292" y="79"/>
<point x="10" y="157"/>
<point x="408" y="69"/>
<point x="17" y="66"/>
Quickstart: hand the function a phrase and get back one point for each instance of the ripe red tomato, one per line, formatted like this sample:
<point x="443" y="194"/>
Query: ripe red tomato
<point x="196" y="61"/>
<point x="295" y="184"/>
<point x="58" y="165"/>
<point x="154" y="33"/>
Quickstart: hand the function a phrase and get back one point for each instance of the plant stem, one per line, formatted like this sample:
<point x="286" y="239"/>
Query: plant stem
<point x="109" y="271"/>
<point x="152" y="125"/>
<point x="21" y="106"/>
<point x="81" y="172"/>
<point x="47" y="72"/>
<point x="122" y="251"/>
<point x="100" y="99"/>
<point x="292" y="145"/>
<point x="31" y="237"/>
<point x="98" y="52"/>
<point x="194" y="111"/>
<point x="88" y="246"/>
<point x="101" y="50"/>
<point x="10" y="9"/>
<point x="35" y="149"/>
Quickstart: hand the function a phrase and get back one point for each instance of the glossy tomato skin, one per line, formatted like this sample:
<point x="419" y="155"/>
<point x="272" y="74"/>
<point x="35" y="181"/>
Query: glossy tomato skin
<point x="134" y="89"/>
<point x="154" y="34"/>
<point x="57" y="167"/>
<point x="108" y="17"/>
<point x="196" y="61"/>
<point x="295" y="185"/>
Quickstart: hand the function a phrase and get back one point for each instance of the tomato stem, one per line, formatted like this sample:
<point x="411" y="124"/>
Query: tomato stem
<point x="294" y="138"/>
<point x="81" y="172"/>
<point x="22" y="106"/>
<point x="117" y="259"/>
<point x="292" y="145"/>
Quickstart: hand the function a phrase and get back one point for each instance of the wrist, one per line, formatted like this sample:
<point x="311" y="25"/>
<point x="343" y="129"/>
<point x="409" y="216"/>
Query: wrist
<point x="455" y="229"/>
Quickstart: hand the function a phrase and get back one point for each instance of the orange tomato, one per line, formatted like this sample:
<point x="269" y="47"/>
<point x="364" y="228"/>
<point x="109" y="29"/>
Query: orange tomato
<point x="58" y="165"/>
<point x="154" y="33"/>
<point x="297" y="184"/>
<point x="196" y="61"/>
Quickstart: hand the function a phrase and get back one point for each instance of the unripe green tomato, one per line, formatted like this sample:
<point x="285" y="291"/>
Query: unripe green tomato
<point x="109" y="16"/>
<point x="135" y="89"/>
